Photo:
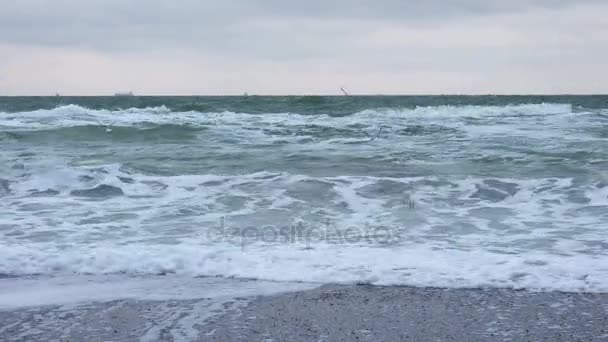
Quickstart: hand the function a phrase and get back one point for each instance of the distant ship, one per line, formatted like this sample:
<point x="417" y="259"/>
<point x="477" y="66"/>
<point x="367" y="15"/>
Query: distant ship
<point x="124" y="94"/>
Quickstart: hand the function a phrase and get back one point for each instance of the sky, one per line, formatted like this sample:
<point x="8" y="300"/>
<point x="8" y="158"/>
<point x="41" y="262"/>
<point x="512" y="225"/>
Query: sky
<point x="204" y="47"/>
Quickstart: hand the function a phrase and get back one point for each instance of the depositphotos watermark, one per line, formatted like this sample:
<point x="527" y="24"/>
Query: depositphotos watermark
<point x="303" y="233"/>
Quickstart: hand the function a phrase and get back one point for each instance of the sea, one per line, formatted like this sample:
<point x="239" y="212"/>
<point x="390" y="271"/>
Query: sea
<point x="424" y="191"/>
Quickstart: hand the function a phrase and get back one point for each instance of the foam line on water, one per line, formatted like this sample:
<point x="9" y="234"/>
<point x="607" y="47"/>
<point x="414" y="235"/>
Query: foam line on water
<point x="74" y="115"/>
<point x="413" y="265"/>
<point x="463" y="232"/>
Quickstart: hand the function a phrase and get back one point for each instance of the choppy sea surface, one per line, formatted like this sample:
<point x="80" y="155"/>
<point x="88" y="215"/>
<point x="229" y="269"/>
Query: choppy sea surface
<point x="448" y="191"/>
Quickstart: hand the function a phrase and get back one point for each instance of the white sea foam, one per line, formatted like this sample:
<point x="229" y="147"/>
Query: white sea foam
<point x="414" y="265"/>
<point x="456" y="227"/>
<point x="74" y="115"/>
<point x="465" y="232"/>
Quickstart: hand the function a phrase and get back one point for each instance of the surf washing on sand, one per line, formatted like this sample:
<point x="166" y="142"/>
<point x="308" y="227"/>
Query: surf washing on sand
<point x="422" y="191"/>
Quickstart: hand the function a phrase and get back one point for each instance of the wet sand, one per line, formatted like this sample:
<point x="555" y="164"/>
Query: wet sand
<point x="328" y="313"/>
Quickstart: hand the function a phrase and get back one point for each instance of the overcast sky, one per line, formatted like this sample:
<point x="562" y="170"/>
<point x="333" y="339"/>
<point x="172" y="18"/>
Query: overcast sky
<point x="91" y="47"/>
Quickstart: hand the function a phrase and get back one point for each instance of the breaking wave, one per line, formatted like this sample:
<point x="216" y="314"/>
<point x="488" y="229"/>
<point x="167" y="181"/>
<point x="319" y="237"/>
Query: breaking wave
<point x="310" y="190"/>
<point x="74" y="115"/>
<point x="423" y="231"/>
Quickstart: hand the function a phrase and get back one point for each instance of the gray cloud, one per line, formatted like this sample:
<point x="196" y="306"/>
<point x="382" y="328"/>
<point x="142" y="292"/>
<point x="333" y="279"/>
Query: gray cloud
<point x="153" y="24"/>
<point x="407" y="11"/>
<point x="373" y="44"/>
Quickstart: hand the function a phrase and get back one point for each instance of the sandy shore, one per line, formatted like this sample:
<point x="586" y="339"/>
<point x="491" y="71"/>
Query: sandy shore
<point x="367" y="313"/>
<point x="328" y="313"/>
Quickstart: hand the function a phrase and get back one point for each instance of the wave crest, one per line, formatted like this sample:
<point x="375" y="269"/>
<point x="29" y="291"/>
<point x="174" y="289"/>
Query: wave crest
<point x="75" y="115"/>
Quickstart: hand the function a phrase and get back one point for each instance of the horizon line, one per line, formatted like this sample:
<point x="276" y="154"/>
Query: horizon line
<point x="309" y="95"/>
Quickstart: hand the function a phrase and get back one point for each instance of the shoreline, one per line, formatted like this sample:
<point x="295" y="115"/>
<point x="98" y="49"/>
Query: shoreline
<point x="170" y="309"/>
<point x="389" y="313"/>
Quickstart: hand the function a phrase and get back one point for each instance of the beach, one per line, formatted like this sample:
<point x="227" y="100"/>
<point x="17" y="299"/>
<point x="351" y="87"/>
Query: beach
<point x="370" y="313"/>
<point x="303" y="218"/>
<point x="323" y="171"/>
<point x="262" y="311"/>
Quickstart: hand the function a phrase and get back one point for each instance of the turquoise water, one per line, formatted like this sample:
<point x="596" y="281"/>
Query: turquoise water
<point x="427" y="191"/>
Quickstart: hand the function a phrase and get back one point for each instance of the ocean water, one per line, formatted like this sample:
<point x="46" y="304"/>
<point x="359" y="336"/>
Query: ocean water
<point x="447" y="191"/>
